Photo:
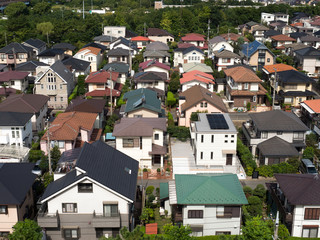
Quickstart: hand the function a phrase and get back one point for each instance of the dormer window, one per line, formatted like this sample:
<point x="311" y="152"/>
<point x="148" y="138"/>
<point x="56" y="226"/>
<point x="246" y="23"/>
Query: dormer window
<point x="85" y="187"/>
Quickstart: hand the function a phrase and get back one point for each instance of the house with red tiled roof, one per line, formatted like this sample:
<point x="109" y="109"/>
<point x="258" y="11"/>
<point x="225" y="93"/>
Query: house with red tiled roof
<point x="310" y="113"/>
<point x="14" y="79"/>
<point x="244" y="87"/>
<point x="196" y="39"/>
<point x="196" y="77"/>
<point x="101" y="83"/>
<point x="71" y="130"/>
<point x="154" y="65"/>
<point x="92" y="55"/>
<point x="279" y="40"/>
<point x="141" y="41"/>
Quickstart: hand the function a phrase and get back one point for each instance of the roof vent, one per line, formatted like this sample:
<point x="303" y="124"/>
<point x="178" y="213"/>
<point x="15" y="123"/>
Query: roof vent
<point x="127" y="170"/>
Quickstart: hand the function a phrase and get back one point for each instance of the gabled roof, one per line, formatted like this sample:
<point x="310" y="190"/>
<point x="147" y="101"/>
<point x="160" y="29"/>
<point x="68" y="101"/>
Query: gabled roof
<point x="155" y="54"/>
<point x="277" y="147"/>
<point x="103" y="164"/>
<point x="16" y="179"/>
<point x="36" y="43"/>
<point x="313" y="104"/>
<point x="24" y="103"/>
<point x="158" y="32"/>
<point x="138" y="127"/>
<point x="187" y="67"/>
<point x="76" y="64"/>
<point x="12" y="75"/>
<point x="279" y="67"/>
<point x="119" y="67"/>
<point x="140" y="39"/>
<point x="15" y="47"/>
<point x="102" y="76"/>
<point x="309" y="38"/>
<point x="249" y="49"/>
<point x="277" y="120"/>
<point x="104" y="38"/>
<point x="62" y="71"/>
<point x="142" y="98"/>
<point x="67" y="125"/>
<point x="217" y="39"/>
<point x="90" y="50"/>
<point x="196" y="94"/>
<point x="118" y="52"/>
<point x="271" y="33"/>
<point x="152" y="63"/>
<point x="29" y="66"/>
<point x="233" y="37"/>
<point x="191" y="37"/>
<point x="64" y="46"/>
<point x="260" y="27"/>
<point x="164" y="190"/>
<point x="17" y="119"/>
<point x="292" y="76"/>
<point x="282" y="37"/>
<point x="158" y="46"/>
<point x="296" y="35"/>
<point x="196" y="75"/>
<point x="51" y="52"/>
<point x="149" y="76"/>
<point x="300" y="189"/>
<point x="225" y="54"/>
<point x="96" y="45"/>
<point x="125" y="42"/>
<point x="190" y="49"/>
<point x="104" y="93"/>
<point x="308" y="52"/>
<point x="251" y="23"/>
<point x="219" y="189"/>
<point x="242" y="74"/>
<point x="86" y="105"/>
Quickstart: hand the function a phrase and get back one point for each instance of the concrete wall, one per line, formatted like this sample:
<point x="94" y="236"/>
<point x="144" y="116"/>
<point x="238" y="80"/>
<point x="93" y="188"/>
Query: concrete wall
<point x="7" y="138"/>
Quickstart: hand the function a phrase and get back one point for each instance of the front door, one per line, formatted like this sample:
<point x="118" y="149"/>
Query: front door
<point x="229" y="159"/>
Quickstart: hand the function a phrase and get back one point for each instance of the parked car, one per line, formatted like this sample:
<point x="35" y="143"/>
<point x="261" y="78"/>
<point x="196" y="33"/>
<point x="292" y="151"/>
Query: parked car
<point x="36" y="169"/>
<point x="307" y="167"/>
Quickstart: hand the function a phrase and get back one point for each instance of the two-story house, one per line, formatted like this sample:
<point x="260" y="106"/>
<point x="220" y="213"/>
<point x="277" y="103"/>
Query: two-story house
<point x="119" y="67"/>
<point x="187" y="55"/>
<point x="36" y="44"/>
<point x="309" y="40"/>
<point x="56" y="82"/>
<point x="50" y="56"/>
<point x="16" y="128"/>
<point x="274" y="136"/>
<point x="209" y="204"/>
<point x="196" y="39"/>
<point x="92" y="200"/>
<point x="104" y="40"/>
<point x="243" y="87"/>
<point x="218" y="43"/>
<point x="124" y="44"/>
<point x="279" y="40"/>
<point x="16" y="195"/>
<point x="297" y="198"/>
<point x="158" y="51"/>
<point x="31" y="67"/>
<point x="15" y="53"/>
<point x="198" y="99"/>
<point x="14" y="79"/>
<point x="155" y="66"/>
<point x="70" y="130"/>
<point x="258" y="32"/>
<point x="270" y="17"/>
<point x="119" y="55"/>
<point x="161" y="35"/>
<point x="152" y="80"/>
<point x="195" y="77"/>
<point x="310" y="112"/>
<point x="143" y="139"/>
<point x="141" y="41"/>
<point x="92" y="55"/>
<point x="308" y="59"/>
<point x="224" y="58"/>
<point x="28" y="103"/>
<point x="78" y="66"/>
<point x="67" y="47"/>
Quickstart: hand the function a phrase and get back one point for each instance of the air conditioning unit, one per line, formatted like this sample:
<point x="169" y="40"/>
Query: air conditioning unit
<point x="106" y="235"/>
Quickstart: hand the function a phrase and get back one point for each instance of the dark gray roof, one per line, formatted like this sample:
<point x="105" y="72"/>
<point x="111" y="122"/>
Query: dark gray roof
<point x="29" y="66"/>
<point x="119" y="67"/>
<point x="105" y="165"/>
<point x="24" y="103"/>
<point x="15" y="47"/>
<point x="293" y="76"/>
<point x="76" y="64"/>
<point x="217" y="39"/>
<point x="277" y="147"/>
<point x="63" y="72"/>
<point x="150" y="76"/>
<point x="309" y="38"/>
<point x="64" y="46"/>
<point x="297" y="93"/>
<point x="37" y="43"/>
<point x="14" y="118"/>
<point x="158" y="46"/>
<point x="277" y="120"/>
<point x="51" y="52"/>
<point x="70" y="155"/>
<point x="118" y="52"/>
<point x="271" y="33"/>
<point x="16" y="179"/>
<point x="80" y="104"/>
<point x="104" y="38"/>
<point x="190" y="49"/>
<point x="96" y="45"/>
<point x="308" y="52"/>
<point x="155" y="53"/>
<point x="126" y="42"/>
<point x="296" y="35"/>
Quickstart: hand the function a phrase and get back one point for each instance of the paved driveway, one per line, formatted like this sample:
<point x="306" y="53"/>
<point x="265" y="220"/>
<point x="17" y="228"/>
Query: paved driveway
<point x="182" y="157"/>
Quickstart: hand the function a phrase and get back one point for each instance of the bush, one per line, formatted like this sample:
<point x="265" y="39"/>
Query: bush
<point x="259" y="191"/>
<point x="194" y="117"/>
<point x="145" y="170"/>
<point x="170" y="119"/>
<point x="255" y="206"/>
<point x="265" y="171"/>
<point x="168" y="169"/>
<point x="171" y="100"/>
<point x="308" y="153"/>
<point x="181" y="133"/>
<point x="248" y="106"/>
<point x="247" y="191"/>
<point x="158" y="170"/>
<point x="246" y="157"/>
<point x="149" y="190"/>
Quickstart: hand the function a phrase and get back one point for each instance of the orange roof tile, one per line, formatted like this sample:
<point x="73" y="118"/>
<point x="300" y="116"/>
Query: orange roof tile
<point x="67" y="125"/>
<point x="313" y="104"/>
<point x="282" y="37"/>
<point x="197" y="76"/>
<point x="242" y="74"/>
<point x="280" y="67"/>
<point x="93" y="50"/>
<point x="102" y="76"/>
<point x="296" y="24"/>
<point x="140" y="38"/>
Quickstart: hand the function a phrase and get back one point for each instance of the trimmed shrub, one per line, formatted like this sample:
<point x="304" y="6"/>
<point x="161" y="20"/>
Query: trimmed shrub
<point x="247" y="191"/>
<point x="181" y="133"/>
<point x="149" y="190"/>
<point x="171" y="100"/>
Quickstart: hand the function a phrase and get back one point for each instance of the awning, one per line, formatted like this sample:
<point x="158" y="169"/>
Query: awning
<point x="229" y="152"/>
<point x="306" y="107"/>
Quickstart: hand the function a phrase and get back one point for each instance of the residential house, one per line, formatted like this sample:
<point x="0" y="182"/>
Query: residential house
<point x="152" y="80"/>
<point x="244" y="87"/>
<point x="195" y="77"/>
<point x="224" y="58"/>
<point x="291" y="48"/>
<point x="119" y="67"/>
<point x="269" y="17"/>
<point x="202" y="67"/>
<point x="124" y="44"/>
<point x="141" y="41"/>
<point x="285" y="28"/>
<point x="118" y="31"/>
<point x="154" y="66"/>
<point x="271" y="70"/>
<point x="56" y="82"/>
<point x="309" y="40"/>
<point x="308" y="59"/>
<point x="196" y="39"/>
<point x="216" y="212"/>
<point x="119" y="55"/>
<point x="310" y="110"/>
<point x="16" y="129"/>
<point x="187" y="55"/>
<point x="268" y="34"/>
<point x="247" y="27"/>
<point x="274" y="136"/>
<point x="102" y="47"/>
<point x="258" y="32"/>
<point x="279" y="40"/>
<point x="92" y="55"/>
<point x="218" y="43"/>
<point x="35" y="104"/>
<point x="37" y="45"/>
<point x="50" y="56"/>
<point x="15" y="53"/>
<point x="161" y="35"/>
<point x="100" y="189"/>
<point x="143" y="139"/>
<point x="14" y="79"/>
<point x="143" y="103"/>
<point x="157" y="51"/>
<point x="257" y="55"/>
<point x="30" y="67"/>
<point x="198" y="99"/>
<point x="67" y="47"/>
<point x="16" y="195"/>
<point x="104" y="40"/>
<point x="102" y="84"/>
<point x="78" y="66"/>
<point x="233" y="37"/>
<point x="296" y="197"/>
<point x="70" y="130"/>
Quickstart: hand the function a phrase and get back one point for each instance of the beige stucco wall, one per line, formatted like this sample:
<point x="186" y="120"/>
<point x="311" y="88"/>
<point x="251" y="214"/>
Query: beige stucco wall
<point x="8" y="220"/>
<point x="254" y="59"/>
<point x="145" y="113"/>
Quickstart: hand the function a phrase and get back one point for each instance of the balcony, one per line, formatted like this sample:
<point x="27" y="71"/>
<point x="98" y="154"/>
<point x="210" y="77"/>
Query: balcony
<point x="4" y="139"/>
<point x="102" y="221"/>
<point x="248" y="130"/>
<point x="47" y="220"/>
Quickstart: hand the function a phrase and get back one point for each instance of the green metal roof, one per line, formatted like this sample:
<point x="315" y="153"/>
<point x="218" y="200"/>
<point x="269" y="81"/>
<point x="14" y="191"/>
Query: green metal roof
<point x="164" y="190"/>
<point x="209" y="189"/>
<point x="134" y="100"/>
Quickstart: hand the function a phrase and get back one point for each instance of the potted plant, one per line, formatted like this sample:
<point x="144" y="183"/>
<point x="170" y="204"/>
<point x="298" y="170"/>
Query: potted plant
<point x="158" y="171"/>
<point x="145" y="173"/>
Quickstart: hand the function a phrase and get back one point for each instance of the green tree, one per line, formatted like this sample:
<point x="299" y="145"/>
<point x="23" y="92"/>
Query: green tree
<point x="81" y="85"/>
<point x="42" y="8"/>
<point x="174" y="232"/>
<point x="194" y="116"/>
<point x="28" y="229"/>
<point x="255" y="206"/>
<point x="255" y="229"/>
<point x="47" y="179"/>
<point x="16" y="9"/>
<point x="308" y="153"/>
<point x="46" y="28"/>
<point x="171" y="100"/>
<point x="259" y="191"/>
<point x="174" y="83"/>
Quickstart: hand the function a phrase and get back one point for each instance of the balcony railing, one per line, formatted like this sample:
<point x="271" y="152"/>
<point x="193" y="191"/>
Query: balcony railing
<point x="284" y="213"/>
<point x="249" y="130"/>
<point x="47" y="220"/>
<point x="101" y="220"/>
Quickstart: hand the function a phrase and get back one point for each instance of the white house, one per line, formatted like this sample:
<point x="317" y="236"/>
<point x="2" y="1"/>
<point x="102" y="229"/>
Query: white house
<point x="196" y="77"/>
<point x="143" y="139"/>
<point x="50" y="56"/>
<point x="217" y="44"/>
<point x="14" y="79"/>
<point x="153" y="80"/>
<point x="92" y="55"/>
<point x="91" y="194"/>
<point x="157" y="34"/>
<point x="270" y="17"/>
<point x="114" y="31"/>
<point x="187" y="55"/>
<point x="209" y="204"/>
<point x="154" y="66"/>
<point x="224" y="58"/>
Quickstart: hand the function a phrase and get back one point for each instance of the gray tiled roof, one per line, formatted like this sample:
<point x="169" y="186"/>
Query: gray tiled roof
<point x="61" y="69"/>
<point x="14" y="118"/>
<point x="277" y="147"/>
<point x="119" y="67"/>
<point x="118" y="52"/>
<point x="16" y="47"/>
<point x="76" y="64"/>
<point x="29" y="66"/>
<point x="37" y="43"/>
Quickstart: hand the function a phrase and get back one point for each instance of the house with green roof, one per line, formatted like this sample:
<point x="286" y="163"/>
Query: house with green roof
<point x="209" y="203"/>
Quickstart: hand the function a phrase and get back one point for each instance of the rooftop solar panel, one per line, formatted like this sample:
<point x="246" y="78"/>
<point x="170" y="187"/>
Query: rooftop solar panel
<point x="217" y="121"/>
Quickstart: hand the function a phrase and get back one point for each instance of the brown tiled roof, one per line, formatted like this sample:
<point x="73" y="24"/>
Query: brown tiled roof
<point x="300" y="189"/>
<point x="12" y="75"/>
<point x="157" y="149"/>
<point x="103" y="93"/>
<point x="233" y="37"/>
<point x="262" y="91"/>
<point x="138" y="127"/>
<point x="80" y="104"/>
<point x="197" y="94"/>
<point x="67" y="125"/>
<point x="242" y="74"/>
<point x="279" y="67"/>
<point x="92" y="50"/>
<point x="27" y="103"/>
<point x="282" y="37"/>
<point x="102" y="76"/>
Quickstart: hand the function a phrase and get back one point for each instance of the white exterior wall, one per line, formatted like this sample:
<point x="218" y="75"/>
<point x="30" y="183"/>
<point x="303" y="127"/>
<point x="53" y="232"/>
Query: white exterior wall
<point x="95" y="60"/>
<point x="188" y="85"/>
<point x="254" y="86"/>
<point x="156" y="69"/>
<point x="222" y="64"/>
<point x="51" y="60"/>
<point x="20" y="85"/>
<point x="163" y="39"/>
<point x="115" y="31"/>
<point x="39" y="122"/>
<point x="177" y="58"/>
<point x="211" y="224"/>
<point x="144" y="113"/>
<point x="6" y="135"/>
<point x="161" y="137"/>
<point x="220" y="45"/>
<point x="193" y="56"/>
<point x="160" y="85"/>
<point x="309" y="65"/>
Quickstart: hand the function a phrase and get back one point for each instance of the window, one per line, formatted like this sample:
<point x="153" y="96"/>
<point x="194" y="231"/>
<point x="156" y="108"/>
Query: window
<point x="195" y="213"/>
<point x="137" y="115"/>
<point x="41" y="86"/>
<point x="310" y="231"/>
<point x="228" y="212"/>
<point x="246" y="86"/>
<point x="69" y="208"/>
<point x="12" y="83"/>
<point x="211" y="156"/>
<point x="201" y="155"/>
<point x="21" y="56"/>
<point x="3" y="209"/>
<point x="85" y="187"/>
<point x="264" y="135"/>
<point x="226" y="136"/>
<point x="51" y="78"/>
<point x="225" y="141"/>
<point x="311" y="213"/>
<point x="254" y="98"/>
<point x="15" y="132"/>
<point x="268" y="59"/>
<point x="298" y="136"/>
<point x="223" y="233"/>
<point x="61" y="99"/>
<point x="156" y="136"/>
<point x="110" y="210"/>
<point x="3" y="56"/>
<point x="212" y="138"/>
<point x="55" y="99"/>
<point x="279" y="133"/>
<point x="202" y="138"/>
<point x="220" y="211"/>
<point x="232" y="136"/>
<point x="61" y="86"/>
<point x="4" y="234"/>
<point x="205" y="104"/>
<point x="71" y="233"/>
<point x="201" y="104"/>
<point x="128" y="142"/>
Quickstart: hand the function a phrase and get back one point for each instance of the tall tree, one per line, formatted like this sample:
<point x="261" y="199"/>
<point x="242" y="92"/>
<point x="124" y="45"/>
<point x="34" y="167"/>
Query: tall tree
<point x="46" y="28"/>
<point x="28" y="229"/>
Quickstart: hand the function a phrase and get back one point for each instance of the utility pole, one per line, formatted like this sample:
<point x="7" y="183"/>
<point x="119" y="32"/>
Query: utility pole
<point x="82" y="9"/>
<point x="274" y="87"/>
<point x="275" y="237"/>
<point x="208" y="38"/>
<point x="48" y="148"/>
